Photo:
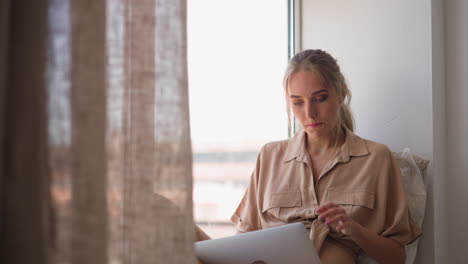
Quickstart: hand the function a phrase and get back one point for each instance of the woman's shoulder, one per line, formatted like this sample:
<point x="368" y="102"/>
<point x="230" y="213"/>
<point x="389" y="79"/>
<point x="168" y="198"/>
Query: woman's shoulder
<point x="379" y="157"/>
<point x="275" y="147"/>
<point x="364" y="146"/>
<point x="376" y="148"/>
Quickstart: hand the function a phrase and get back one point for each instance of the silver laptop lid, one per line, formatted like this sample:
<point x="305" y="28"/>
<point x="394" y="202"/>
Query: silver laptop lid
<point x="277" y="245"/>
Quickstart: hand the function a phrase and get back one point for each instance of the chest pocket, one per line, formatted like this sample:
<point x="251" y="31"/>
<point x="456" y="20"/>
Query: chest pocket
<point x="283" y="205"/>
<point x="357" y="203"/>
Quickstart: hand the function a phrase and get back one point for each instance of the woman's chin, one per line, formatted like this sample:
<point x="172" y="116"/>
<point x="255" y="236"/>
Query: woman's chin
<point x="314" y="132"/>
<point x="317" y="133"/>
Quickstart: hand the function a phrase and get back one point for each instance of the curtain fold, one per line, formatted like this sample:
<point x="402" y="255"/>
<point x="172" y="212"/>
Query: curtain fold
<point x="88" y="129"/>
<point x="24" y="199"/>
<point x="96" y="153"/>
<point x="139" y="132"/>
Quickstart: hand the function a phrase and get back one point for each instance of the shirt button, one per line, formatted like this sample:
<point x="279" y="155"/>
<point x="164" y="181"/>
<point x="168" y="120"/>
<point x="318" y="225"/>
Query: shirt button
<point x="309" y="211"/>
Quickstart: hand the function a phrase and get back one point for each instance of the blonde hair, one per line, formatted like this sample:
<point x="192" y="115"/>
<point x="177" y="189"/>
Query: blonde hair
<point x="326" y="66"/>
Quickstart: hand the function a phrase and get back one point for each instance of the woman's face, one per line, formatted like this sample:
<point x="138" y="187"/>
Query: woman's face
<point x="314" y="105"/>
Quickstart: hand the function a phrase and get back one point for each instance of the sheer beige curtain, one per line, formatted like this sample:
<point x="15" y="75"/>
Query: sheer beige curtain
<point x="95" y="158"/>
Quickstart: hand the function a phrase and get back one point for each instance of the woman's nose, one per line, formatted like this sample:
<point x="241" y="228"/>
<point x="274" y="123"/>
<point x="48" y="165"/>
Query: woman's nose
<point x="311" y="111"/>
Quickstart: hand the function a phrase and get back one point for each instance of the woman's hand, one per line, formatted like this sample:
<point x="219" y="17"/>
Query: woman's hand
<point x="336" y="217"/>
<point x="382" y="249"/>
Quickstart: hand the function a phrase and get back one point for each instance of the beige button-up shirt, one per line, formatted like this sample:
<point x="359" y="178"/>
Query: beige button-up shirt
<point x="364" y="179"/>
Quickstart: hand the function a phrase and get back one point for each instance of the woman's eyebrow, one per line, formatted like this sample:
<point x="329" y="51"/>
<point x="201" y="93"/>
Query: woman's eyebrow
<point x="319" y="91"/>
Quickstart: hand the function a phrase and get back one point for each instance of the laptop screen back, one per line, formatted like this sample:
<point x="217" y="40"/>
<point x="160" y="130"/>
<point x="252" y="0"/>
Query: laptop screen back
<point x="277" y="245"/>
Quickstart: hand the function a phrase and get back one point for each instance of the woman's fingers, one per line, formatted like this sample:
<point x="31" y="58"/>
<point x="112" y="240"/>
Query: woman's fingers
<point x="334" y="218"/>
<point x="325" y="207"/>
<point x="341" y="227"/>
<point x="331" y="212"/>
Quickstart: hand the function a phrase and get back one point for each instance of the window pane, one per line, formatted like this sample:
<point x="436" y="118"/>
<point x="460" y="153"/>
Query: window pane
<point x="237" y="54"/>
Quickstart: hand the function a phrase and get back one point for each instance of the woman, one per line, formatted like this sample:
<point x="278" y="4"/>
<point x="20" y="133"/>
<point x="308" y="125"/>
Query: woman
<point x="349" y="188"/>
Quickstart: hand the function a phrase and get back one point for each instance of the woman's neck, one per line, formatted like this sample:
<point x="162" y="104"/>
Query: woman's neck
<point x="324" y="145"/>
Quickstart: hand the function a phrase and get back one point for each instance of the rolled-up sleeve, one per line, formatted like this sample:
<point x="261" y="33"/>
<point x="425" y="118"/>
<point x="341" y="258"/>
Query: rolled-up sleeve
<point x="247" y="215"/>
<point x="244" y="216"/>
<point x="398" y="223"/>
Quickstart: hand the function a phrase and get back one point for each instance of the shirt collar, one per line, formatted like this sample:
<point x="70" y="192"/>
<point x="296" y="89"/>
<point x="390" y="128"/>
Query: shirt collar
<point x="353" y="146"/>
<point x="296" y="146"/>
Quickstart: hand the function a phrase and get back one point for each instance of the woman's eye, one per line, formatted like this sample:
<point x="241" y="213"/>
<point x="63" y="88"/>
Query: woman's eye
<point x="321" y="98"/>
<point x="297" y="103"/>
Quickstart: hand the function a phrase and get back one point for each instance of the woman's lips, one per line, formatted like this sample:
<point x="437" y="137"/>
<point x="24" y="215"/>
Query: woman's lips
<point x="314" y="125"/>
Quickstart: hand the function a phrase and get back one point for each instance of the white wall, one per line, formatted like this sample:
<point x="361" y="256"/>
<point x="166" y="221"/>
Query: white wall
<point x="407" y="65"/>
<point x="384" y="49"/>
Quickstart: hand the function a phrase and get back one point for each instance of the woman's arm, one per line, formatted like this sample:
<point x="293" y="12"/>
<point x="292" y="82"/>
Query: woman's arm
<point x="200" y="235"/>
<point x="382" y="249"/>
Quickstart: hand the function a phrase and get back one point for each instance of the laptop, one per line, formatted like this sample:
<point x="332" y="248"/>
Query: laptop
<point x="277" y="245"/>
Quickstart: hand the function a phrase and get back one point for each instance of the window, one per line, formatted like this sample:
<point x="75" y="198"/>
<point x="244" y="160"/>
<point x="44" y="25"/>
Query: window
<point x="237" y="54"/>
